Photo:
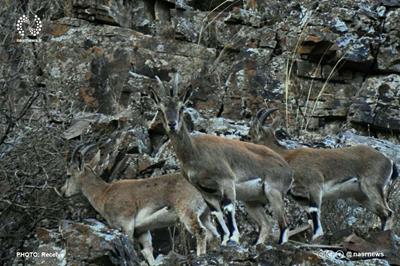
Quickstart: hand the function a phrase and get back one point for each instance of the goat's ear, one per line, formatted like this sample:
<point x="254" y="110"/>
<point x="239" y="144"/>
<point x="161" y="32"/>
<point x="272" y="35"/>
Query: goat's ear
<point x="276" y="123"/>
<point x="154" y="96"/>
<point x="80" y="162"/>
<point x="188" y="93"/>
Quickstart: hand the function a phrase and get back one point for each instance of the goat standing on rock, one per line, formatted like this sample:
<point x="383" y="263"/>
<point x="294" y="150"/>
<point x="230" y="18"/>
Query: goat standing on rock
<point x="359" y="172"/>
<point x="216" y="165"/>
<point x="140" y="205"/>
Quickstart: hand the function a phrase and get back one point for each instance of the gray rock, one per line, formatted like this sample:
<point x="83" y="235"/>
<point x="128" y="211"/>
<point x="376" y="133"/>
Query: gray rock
<point x="388" y="148"/>
<point x="389" y="52"/>
<point x="91" y="241"/>
<point x="391" y="3"/>
<point x="376" y="103"/>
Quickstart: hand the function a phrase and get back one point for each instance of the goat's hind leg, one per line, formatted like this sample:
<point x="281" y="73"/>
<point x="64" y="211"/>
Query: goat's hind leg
<point x="376" y="203"/>
<point x="257" y="212"/>
<point x="193" y="224"/>
<point x="314" y="212"/>
<point x="275" y="198"/>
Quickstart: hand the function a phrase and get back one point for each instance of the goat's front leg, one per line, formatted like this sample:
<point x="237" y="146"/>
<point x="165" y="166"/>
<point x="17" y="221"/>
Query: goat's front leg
<point x="146" y="244"/>
<point x="214" y="205"/>
<point x="229" y="207"/>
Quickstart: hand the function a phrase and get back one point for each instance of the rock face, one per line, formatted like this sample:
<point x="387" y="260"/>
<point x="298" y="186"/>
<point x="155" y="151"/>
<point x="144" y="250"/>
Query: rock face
<point x="377" y="103"/>
<point x="91" y="242"/>
<point x="316" y="55"/>
<point x="329" y="66"/>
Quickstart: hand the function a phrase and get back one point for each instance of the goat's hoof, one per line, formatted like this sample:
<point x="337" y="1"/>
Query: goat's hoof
<point x="317" y="239"/>
<point x="232" y="243"/>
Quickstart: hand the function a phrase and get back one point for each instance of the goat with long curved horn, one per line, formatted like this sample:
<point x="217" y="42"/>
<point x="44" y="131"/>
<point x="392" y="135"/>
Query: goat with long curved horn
<point x="359" y="172"/>
<point x="217" y="166"/>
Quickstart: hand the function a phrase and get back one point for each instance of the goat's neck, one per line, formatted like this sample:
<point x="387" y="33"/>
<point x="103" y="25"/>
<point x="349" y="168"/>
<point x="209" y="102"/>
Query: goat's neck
<point x="93" y="188"/>
<point x="183" y="145"/>
<point x="274" y="145"/>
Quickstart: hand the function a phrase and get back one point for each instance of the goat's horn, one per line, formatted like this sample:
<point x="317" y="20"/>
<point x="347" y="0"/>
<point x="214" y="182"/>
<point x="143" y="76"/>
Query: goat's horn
<point x="161" y="85"/>
<point x="266" y="114"/>
<point x="87" y="148"/>
<point x="176" y="84"/>
<point x="260" y="112"/>
<point x="73" y="155"/>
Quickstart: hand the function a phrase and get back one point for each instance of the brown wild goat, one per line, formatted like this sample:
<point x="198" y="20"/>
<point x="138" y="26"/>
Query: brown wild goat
<point x="217" y="166"/>
<point x="359" y="172"/>
<point x="138" y="206"/>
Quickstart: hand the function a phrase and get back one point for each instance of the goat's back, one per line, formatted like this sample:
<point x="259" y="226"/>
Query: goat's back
<point x="359" y="161"/>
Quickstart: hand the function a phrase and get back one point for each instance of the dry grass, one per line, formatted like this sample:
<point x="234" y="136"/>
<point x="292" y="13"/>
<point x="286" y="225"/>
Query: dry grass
<point x="304" y="120"/>
<point x="204" y="26"/>
<point x="289" y="69"/>
<point x="331" y="73"/>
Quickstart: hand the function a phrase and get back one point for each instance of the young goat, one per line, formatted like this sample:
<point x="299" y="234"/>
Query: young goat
<point x="216" y="166"/>
<point x="141" y="205"/>
<point x="359" y="172"/>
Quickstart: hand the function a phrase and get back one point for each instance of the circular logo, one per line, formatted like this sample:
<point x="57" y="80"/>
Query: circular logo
<point x="27" y="27"/>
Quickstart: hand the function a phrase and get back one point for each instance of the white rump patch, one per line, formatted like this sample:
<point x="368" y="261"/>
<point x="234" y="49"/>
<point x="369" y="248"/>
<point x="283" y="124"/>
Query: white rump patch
<point x="229" y="207"/>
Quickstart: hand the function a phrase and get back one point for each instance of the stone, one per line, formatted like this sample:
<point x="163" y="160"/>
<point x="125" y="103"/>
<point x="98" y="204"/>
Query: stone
<point x="96" y="242"/>
<point x="244" y="17"/>
<point x="388" y="148"/>
<point x="106" y="61"/>
<point x="391" y="3"/>
<point x="388" y="57"/>
<point x="190" y="25"/>
<point x="325" y="99"/>
<point x="90" y="241"/>
<point x="308" y="69"/>
<point x="376" y="103"/>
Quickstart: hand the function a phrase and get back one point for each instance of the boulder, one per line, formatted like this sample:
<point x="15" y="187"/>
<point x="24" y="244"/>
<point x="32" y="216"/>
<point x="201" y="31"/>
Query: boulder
<point x="377" y="103"/>
<point x="90" y="241"/>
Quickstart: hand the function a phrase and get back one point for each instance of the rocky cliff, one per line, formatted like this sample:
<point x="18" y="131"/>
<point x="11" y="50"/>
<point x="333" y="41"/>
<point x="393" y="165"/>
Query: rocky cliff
<point x="331" y="67"/>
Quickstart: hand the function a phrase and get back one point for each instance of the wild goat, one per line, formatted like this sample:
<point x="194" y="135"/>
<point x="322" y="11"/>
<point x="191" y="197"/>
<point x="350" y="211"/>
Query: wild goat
<point x="216" y="165"/>
<point x="359" y="172"/>
<point x="141" y="205"/>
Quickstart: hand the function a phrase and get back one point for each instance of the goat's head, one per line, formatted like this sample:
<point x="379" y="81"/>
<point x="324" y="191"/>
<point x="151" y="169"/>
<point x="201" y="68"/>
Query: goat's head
<point x="77" y="167"/>
<point x="259" y="132"/>
<point x="171" y="103"/>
